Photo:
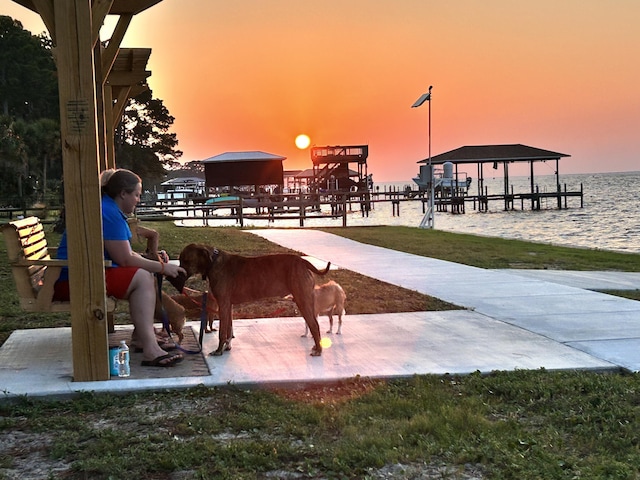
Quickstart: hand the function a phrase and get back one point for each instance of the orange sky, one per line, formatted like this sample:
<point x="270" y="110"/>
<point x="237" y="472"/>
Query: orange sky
<point x="253" y="74"/>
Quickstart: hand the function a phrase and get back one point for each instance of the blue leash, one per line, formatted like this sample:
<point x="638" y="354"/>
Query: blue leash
<point x="167" y="326"/>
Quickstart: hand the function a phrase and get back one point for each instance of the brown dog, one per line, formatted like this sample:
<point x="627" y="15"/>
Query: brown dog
<point x="236" y="279"/>
<point x="330" y="299"/>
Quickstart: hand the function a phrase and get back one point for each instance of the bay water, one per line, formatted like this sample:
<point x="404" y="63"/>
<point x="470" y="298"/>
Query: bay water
<point x="609" y="218"/>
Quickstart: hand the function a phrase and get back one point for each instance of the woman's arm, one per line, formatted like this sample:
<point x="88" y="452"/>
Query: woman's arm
<point x="121" y="253"/>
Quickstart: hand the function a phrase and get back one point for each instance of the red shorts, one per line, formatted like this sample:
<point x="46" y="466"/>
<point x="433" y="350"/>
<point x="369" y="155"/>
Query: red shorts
<point x="117" y="279"/>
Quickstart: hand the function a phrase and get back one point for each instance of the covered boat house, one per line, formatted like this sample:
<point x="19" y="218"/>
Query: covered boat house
<point x="497" y="156"/>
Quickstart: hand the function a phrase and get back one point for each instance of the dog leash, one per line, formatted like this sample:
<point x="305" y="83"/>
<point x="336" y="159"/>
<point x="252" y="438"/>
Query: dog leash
<point x="188" y="295"/>
<point x="167" y="326"/>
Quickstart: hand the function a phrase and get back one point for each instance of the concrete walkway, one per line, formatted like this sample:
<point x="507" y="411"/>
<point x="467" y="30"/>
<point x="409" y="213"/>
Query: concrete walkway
<point x="509" y="321"/>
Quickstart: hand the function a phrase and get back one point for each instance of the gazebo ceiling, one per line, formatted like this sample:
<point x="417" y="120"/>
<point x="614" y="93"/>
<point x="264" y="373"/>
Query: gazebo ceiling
<point x="119" y="7"/>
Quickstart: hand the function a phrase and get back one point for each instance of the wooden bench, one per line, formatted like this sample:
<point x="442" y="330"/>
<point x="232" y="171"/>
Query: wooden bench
<point x="34" y="270"/>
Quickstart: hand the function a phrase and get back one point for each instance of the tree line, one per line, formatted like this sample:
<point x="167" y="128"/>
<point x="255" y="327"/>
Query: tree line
<point x="30" y="150"/>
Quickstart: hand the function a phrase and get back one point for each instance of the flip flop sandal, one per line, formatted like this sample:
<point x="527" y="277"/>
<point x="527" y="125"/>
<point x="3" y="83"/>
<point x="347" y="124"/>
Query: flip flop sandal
<point x="158" y="361"/>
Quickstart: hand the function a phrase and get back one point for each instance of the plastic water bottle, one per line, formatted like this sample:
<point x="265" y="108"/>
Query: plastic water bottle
<point x="124" y="370"/>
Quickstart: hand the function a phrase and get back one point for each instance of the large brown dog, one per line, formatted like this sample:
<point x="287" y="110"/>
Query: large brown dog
<point x="236" y="279"/>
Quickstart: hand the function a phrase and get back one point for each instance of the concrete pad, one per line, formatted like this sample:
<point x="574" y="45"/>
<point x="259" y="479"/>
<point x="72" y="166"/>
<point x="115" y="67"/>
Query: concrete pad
<point x="272" y="351"/>
<point x="37" y="362"/>
<point x="391" y="345"/>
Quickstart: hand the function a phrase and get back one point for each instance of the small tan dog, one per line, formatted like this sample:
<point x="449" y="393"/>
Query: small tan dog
<point x="191" y="300"/>
<point x="329" y="300"/>
<point x="175" y="312"/>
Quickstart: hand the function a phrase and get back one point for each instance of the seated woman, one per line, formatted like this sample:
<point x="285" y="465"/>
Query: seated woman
<point x="131" y="276"/>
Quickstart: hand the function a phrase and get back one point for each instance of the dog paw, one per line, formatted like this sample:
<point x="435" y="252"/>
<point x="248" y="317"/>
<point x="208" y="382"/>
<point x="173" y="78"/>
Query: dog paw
<point x="315" y="352"/>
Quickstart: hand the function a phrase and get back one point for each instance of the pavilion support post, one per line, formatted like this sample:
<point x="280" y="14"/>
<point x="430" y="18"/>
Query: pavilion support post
<point x="558" y="186"/>
<point x="80" y="155"/>
<point x="506" y="186"/>
<point x="533" y="196"/>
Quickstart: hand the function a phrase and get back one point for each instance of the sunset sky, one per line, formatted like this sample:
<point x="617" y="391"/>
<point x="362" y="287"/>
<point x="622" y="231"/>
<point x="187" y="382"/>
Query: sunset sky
<point x="253" y="74"/>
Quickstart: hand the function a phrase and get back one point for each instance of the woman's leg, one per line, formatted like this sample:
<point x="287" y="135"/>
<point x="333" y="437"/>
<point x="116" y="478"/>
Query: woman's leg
<point x="142" y="301"/>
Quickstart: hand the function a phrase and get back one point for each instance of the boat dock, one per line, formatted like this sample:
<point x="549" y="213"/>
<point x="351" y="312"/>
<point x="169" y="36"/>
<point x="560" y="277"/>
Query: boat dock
<point x="336" y="204"/>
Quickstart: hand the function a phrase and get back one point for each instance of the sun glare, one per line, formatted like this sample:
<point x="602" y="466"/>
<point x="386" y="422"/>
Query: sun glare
<point x="303" y="141"/>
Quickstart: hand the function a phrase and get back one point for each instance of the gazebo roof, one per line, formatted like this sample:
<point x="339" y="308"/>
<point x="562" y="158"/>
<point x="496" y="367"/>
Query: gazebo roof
<point x="119" y="7"/>
<point x="243" y="157"/>
<point x="495" y="153"/>
<point x="130" y="67"/>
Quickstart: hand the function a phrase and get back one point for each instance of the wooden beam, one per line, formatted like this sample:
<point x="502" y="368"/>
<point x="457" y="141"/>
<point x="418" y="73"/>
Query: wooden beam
<point x="111" y="52"/>
<point x="122" y="95"/>
<point x="78" y="125"/>
<point x="99" y="11"/>
<point x="45" y="9"/>
<point x="110" y="157"/>
<point x="100" y="108"/>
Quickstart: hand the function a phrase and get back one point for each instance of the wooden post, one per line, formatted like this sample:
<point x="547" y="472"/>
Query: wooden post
<point x="344" y="211"/>
<point x="301" y="211"/>
<point x="79" y="138"/>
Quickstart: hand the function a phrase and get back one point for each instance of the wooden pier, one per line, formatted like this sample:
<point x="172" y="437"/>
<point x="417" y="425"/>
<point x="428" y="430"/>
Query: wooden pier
<point x="333" y="205"/>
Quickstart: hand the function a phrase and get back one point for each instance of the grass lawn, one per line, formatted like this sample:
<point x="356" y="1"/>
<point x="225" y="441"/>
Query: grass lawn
<point x="507" y="425"/>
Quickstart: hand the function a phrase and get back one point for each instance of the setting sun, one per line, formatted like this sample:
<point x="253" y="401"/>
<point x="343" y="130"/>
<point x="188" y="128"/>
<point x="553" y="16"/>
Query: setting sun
<point x="303" y="141"/>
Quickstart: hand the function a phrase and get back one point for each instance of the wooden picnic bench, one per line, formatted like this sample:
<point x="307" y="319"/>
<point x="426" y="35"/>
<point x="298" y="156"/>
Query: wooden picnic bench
<point x="34" y="270"/>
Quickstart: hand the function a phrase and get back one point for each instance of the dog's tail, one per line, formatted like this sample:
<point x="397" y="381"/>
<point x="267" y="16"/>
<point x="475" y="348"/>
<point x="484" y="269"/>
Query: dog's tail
<point x="311" y="267"/>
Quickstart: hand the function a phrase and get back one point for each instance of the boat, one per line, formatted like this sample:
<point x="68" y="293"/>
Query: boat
<point x="182" y="188"/>
<point x="444" y="180"/>
<point x="230" y="201"/>
<point x="223" y="200"/>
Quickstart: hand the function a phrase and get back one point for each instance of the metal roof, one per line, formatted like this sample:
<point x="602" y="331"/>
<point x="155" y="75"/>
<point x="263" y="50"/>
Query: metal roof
<point x="183" y="181"/>
<point x="495" y="153"/>
<point x="243" y="157"/>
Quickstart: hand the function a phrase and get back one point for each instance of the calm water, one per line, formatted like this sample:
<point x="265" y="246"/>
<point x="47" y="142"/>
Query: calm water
<point x="609" y="220"/>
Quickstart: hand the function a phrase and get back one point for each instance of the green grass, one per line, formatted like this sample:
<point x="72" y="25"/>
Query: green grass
<point x="506" y="425"/>
<point x="515" y="425"/>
